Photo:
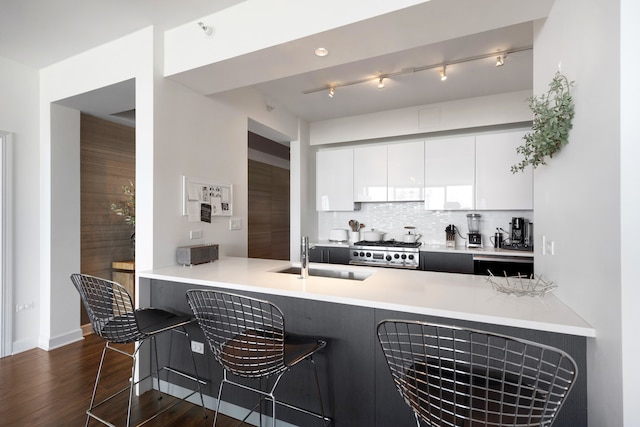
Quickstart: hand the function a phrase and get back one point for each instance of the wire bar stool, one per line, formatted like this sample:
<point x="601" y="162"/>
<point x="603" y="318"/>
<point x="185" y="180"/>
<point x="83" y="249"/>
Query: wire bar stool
<point x="452" y="376"/>
<point x="247" y="337"/>
<point x="114" y="319"/>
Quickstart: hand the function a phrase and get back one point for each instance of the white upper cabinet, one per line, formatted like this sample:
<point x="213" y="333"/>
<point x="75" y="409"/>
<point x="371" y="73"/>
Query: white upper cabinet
<point x="370" y="173"/>
<point x="405" y="171"/>
<point x="450" y="173"/>
<point x="496" y="186"/>
<point x="334" y="180"/>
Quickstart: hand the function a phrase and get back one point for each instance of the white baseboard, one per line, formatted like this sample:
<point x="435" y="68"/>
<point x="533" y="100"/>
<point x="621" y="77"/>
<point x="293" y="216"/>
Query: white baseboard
<point x="23" y="345"/>
<point x="228" y="409"/>
<point x="61" y="340"/>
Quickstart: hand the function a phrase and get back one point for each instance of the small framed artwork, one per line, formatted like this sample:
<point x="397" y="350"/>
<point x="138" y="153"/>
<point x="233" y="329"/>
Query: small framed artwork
<point x="203" y="200"/>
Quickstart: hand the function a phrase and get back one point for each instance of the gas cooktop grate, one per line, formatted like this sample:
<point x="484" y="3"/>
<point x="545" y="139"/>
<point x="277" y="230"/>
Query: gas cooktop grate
<point x="388" y="244"/>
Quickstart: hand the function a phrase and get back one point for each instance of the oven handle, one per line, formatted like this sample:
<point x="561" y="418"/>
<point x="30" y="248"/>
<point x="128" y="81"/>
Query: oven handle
<point x="521" y="260"/>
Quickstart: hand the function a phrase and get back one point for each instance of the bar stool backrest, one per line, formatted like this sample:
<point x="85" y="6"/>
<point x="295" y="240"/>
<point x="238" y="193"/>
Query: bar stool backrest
<point x="452" y="376"/>
<point x="246" y="335"/>
<point x="109" y="307"/>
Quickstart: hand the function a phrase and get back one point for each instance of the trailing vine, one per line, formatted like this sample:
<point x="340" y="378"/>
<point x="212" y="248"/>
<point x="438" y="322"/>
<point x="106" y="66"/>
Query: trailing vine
<point x="552" y="120"/>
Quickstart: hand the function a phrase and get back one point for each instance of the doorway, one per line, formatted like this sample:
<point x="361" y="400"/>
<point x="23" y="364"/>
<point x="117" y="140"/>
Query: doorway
<point x="107" y="165"/>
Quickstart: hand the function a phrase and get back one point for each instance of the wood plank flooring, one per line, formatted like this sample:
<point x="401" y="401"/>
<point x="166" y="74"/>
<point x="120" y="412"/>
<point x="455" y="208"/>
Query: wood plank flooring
<point x="40" y="388"/>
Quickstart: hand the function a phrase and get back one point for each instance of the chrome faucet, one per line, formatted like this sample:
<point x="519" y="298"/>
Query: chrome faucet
<point x="304" y="258"/>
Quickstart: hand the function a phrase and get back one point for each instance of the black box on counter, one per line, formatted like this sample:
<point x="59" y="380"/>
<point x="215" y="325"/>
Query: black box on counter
<point x="197" y="254"/>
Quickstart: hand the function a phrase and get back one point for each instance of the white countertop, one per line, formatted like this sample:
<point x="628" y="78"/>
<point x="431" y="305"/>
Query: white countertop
<point x="455" y="296"/>
<point x="488" y="250"/>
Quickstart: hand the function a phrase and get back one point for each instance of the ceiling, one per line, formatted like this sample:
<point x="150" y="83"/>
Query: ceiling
<point x="43" y="32"/>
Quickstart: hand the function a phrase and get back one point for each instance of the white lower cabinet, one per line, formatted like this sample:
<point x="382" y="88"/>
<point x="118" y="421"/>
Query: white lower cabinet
<point x="496" y="186"/>
<point x="449" y="173"/>
<point x="334" y="180"/>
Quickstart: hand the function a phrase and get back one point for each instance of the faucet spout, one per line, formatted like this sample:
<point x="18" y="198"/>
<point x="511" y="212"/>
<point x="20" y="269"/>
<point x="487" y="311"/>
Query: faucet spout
<point x="304" y="258"/>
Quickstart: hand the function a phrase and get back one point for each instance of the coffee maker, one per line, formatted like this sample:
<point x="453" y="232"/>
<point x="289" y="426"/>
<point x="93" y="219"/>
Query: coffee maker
<point x="521" y="236"/>
<point x="474" y="238"/>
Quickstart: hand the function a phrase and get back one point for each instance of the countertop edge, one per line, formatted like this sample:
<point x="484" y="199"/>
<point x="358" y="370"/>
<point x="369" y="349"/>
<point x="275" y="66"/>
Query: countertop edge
<point x="296" y="288"/>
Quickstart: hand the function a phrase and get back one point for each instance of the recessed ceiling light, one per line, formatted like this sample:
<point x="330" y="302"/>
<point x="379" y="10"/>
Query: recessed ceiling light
<point x="321" y="51"/>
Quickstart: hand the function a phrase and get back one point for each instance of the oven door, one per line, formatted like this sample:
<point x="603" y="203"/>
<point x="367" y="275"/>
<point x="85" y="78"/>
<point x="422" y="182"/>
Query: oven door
<point x="501" y="265"/>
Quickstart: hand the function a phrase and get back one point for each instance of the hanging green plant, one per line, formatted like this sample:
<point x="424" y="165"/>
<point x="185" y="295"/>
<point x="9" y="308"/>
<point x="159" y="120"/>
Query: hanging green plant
<point x="552" y="120"/>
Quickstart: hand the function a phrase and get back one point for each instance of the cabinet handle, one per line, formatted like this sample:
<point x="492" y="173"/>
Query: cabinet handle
<point x="521" y="260"/>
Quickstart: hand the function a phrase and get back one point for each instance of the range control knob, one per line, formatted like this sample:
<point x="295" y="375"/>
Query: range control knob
<point x="403" y="256"/>
<point x="411" y="257"/>
<point x="355" y="253"/>
<point x="396" y="256"/>
<point x="388" y="257"/>
<point x="361" y="253"/>
<point x="368" y="254"/>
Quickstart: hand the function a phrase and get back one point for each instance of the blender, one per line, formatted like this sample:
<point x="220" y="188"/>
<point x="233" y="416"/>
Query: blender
<point x="474" y="239"/>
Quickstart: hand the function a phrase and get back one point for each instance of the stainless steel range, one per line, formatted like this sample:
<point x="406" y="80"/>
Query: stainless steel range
<point x="385" y="254"/>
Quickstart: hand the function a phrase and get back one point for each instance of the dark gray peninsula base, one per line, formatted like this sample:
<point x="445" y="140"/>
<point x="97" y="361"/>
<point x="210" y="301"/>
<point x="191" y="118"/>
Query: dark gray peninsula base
<point x="357" y="386"/>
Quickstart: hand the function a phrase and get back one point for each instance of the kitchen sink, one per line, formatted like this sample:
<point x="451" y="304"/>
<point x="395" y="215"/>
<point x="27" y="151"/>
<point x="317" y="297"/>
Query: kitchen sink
<point x="334" y="274"/>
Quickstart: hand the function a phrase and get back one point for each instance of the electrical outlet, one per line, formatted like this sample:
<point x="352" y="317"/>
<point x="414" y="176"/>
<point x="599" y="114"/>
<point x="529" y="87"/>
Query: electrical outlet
<point x="197" y="347"/>
<point x="23" y="307"/>
<point x="235" y="223"/>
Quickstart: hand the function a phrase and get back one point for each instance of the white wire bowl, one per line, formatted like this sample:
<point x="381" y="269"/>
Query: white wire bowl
<point x="521" y="285"/>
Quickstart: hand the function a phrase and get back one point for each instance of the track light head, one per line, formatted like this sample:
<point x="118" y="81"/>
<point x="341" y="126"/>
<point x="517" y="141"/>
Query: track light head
<point x="332" y="91"/>
<point x="381" y="83"/>
<point x="500" y="60"/>
<point x="208" y="31"/>
<point x="443" y="73"/>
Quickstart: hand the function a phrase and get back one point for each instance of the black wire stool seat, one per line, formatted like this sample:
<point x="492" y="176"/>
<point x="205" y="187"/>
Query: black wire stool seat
<point x="247" y="337"/>
<point x="453" y="376"/>
<point x="114" y="319"/>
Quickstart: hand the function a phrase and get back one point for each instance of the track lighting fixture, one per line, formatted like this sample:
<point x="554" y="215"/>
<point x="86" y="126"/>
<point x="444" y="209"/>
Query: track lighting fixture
<point x="443" y="73"/>
<point x="208" y="31"/>
<point x="500" y="59"/>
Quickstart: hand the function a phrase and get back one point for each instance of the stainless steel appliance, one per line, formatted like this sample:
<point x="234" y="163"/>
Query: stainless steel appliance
<point x="474" y="238"/>
<point x="521" y="235"/>
<point x="389" y="253"/>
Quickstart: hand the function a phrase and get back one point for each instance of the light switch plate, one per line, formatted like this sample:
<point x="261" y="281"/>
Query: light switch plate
<point x="195" y="234"/>
<point x="235" y="223"/>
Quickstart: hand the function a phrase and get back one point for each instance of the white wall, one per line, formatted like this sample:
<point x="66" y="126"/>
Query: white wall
<point x="577" y="195"/>
<point x="201" y="138"/>
<point x="59" y="323"/>
<point x="19" y="88"/>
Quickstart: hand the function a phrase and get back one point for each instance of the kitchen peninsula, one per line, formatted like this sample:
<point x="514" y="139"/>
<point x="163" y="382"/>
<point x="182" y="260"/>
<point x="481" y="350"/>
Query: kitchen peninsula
<point x="345" y="312"/>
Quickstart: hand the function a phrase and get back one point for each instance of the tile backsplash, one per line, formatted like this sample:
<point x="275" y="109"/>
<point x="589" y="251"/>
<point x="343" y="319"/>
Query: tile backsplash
<point x="391" y="218"/>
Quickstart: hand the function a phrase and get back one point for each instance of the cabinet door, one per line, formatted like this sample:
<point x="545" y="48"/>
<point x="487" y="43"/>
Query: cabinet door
<point x="370" y="173"/>
<point x="449" y="173"/>
<point x="334" y="180"/>
<point x="405" y="171"/>
<point x="496" y="186"/>
<point x="338" y="256"/>
<point x="446" y="262"/>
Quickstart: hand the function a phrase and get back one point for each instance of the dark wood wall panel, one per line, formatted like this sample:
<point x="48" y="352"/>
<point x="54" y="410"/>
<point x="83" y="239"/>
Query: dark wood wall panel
<point x="107" y="162"/>
<point x="268" y="222"/>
